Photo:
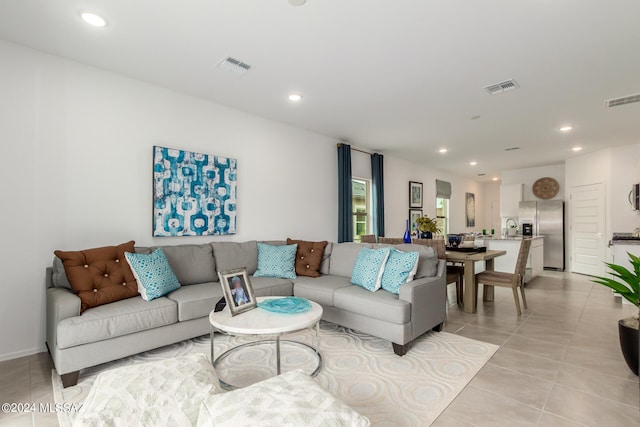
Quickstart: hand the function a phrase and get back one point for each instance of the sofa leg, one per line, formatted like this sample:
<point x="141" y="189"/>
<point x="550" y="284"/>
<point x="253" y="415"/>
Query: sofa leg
<point x="438" y="327"/>
<point x="70" y="379"/>
<point x="399" y="349"/>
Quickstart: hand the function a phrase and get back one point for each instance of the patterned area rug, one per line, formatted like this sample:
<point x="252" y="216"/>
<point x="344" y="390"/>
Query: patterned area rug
<point x="360" y="369"/>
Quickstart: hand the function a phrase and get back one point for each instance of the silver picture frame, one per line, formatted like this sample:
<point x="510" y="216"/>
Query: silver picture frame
<point x="237" y="290"/>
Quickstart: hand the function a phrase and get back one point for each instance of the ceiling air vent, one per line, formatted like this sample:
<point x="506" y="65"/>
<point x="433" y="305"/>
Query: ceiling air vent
<point x="622" y="101"/>
<point x="504" y="86"/>
<point x="233" y="65"/>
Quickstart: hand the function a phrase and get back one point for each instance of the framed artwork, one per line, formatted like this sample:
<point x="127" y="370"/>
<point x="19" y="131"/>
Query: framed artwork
<point x="193" y="194"/>
<point x="414" y="214"/>
<point x="470" y="209"/>
<point x="237" y="290"/>
<point x="415" y="194"/>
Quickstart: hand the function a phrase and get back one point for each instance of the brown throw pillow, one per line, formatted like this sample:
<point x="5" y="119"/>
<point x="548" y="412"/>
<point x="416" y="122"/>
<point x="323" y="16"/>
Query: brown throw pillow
<point x="101" y="275"/>
<point x="308" y="257"/>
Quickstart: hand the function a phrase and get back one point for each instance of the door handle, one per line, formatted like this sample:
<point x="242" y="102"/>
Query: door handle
<point x="599" y="235"/>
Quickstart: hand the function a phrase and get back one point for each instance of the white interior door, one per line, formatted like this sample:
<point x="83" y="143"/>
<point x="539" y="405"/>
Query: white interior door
<point x="588" y="245"/>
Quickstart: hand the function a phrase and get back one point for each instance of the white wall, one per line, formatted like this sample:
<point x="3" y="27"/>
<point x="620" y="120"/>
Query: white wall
<point x="77" y="151"/>
<point x="528" y="176"/>
<point x="398" y="173"/>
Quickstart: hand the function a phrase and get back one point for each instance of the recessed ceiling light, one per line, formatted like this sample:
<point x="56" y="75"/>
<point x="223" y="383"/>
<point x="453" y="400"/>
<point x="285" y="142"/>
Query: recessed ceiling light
<point x="495" y="178"/>
<point x="577" y="148"/>
<point x="473" y="163"/>
<point x="297" y="2"/>
<point x="295" y="97"/>
<point x="566" y="128"/>
<point x="93" y="19"/>
<point x="442" y="150"/>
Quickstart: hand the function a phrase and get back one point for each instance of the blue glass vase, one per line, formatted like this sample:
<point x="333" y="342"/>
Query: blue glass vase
<point x="407" y="234"/>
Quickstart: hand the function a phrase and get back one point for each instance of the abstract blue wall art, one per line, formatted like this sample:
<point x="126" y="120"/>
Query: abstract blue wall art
<point x="193" y="194"/>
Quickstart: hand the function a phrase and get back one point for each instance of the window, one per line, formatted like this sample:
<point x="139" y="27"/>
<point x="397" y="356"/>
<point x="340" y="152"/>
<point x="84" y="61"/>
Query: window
<point x="442" y="214"/>
<point x="361" y="190"/>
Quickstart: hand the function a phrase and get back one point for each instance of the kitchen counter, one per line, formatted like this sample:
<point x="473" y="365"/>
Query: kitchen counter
<point x="507" y="263"/>
<point x="507" y="238"/>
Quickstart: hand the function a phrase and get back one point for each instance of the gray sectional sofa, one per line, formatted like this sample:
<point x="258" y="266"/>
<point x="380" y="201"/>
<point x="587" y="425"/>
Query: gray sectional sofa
<point x="130" y="326"/>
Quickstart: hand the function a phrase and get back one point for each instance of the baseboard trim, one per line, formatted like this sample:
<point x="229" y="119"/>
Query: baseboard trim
<point x="22" y="353"/>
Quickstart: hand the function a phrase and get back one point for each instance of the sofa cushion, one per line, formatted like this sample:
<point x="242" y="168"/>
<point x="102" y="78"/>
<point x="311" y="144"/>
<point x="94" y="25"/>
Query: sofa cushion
<point x="400" y="269"/>
<point x="276" y="261"/>
<point x="192" y="263"/>
<point x="326" y="259"/>
<point x="165" y="392"/>
<point x="116" y="319"/>
<point x="100" y="275"/>
<point x="308" y="257"/>
<point x="232" y="255"/>
<point x="288" y="400"/>
<point x="58" y="275"/>
<point x="343" y="258"/>
<point x="196" y="301"/>
<point x="153" y="274"/>
<point x="369" y="267"/>
<point x="271" y="287"/>
<point x="380" y="305"/>
<point x="427" y="267"/>
<point x="320" y="289"/>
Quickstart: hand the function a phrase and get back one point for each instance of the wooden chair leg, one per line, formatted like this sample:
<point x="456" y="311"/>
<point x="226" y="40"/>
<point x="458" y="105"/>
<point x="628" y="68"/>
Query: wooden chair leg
<point x="515" y="297"/>
<point x="524" y="299"/>
<point x="459" y="291"/>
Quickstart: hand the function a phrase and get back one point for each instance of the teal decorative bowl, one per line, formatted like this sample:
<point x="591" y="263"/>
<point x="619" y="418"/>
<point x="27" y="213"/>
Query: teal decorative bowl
<point x="286" y="305"/>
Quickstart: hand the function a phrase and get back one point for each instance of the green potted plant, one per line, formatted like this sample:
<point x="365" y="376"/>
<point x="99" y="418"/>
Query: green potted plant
<point x="626" y="283"/>
<point x="427" y="226"/>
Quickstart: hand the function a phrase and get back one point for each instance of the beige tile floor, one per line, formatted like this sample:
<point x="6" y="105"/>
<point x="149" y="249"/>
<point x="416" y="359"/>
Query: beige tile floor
<point x="559" y="364"/>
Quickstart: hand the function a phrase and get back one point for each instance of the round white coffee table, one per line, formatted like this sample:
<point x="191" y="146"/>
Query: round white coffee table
<point x="263" y="323"/>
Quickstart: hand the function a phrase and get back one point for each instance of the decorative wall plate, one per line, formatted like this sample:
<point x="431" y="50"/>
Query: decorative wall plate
<point x="546" y="188"/>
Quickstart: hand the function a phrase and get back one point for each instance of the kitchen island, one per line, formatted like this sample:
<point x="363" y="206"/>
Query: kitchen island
<point x="507" y="263"/>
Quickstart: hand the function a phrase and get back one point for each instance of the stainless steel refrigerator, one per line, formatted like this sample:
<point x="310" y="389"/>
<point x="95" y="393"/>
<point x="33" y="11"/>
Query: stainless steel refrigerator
<point x="547" y="217"/>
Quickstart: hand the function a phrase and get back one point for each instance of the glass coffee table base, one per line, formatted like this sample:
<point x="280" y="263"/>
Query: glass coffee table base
<point x="312" y="357"/>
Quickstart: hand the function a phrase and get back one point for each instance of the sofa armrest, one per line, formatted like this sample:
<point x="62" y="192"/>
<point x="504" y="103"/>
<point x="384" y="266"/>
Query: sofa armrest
<point x="62" y="303"/>
<point x="428" y="298"/>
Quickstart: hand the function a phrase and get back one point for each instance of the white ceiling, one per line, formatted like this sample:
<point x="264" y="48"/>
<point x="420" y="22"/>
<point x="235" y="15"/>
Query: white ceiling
<point x="401" y="76"/>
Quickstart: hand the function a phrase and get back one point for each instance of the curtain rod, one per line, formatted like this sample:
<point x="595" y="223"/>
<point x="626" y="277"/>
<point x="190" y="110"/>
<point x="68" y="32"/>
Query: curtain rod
<point x="356" y="149"/>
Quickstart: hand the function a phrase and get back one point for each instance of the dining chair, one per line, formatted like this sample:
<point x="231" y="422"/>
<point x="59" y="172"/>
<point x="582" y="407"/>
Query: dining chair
<point x="513" y="280"/>
<point x="391" y="240"/>
<point x="455" y="274"/>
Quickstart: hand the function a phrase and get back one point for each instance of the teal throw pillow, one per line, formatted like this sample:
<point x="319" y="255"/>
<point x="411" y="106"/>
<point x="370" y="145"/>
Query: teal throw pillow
<point x="368" y="269"/>
<point x="153" y="274"/>
<point x="276" y="261"/>
<point x="400" y="269"/>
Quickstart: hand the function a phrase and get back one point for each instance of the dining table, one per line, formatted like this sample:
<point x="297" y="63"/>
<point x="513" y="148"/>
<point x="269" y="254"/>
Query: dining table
<point x="468" y="260"/>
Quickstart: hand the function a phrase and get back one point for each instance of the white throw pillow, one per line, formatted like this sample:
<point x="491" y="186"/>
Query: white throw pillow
<point x="290" y="400"/>
<point x="163" y="393"/>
